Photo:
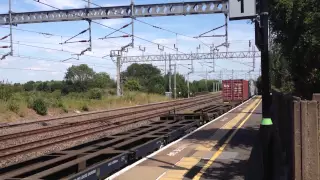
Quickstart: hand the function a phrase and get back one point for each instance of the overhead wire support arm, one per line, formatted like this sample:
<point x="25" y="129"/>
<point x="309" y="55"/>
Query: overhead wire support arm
<point x="4" y="56"/>
<point x="85" y="18"/>
<point x="106" y="37"/>
<point x="82" y="32"/>
<point x="124" y="36"/>
<point x="5" y="37"/>
<point x="202" y="35"/>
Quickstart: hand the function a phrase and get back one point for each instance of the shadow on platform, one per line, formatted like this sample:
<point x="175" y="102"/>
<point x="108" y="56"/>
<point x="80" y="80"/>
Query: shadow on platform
<point x="220" y="170"/>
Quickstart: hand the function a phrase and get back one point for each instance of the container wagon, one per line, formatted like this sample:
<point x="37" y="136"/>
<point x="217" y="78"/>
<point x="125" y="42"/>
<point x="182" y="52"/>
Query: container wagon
<point x="236" y="90"/>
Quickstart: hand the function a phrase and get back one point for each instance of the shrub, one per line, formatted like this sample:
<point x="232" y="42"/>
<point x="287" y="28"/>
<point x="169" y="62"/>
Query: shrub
<point x="5" y="92"/>
<point x="85" y="107"/>
<point x="132" y="85"/>
<point x="95" y="93"/>
<point x="63" y="107"/>
<point x="14" y="106"/>
<point x="40" y="107"/>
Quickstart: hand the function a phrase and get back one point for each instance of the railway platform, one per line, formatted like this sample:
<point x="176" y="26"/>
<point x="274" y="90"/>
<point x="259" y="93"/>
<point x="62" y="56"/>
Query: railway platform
<point x="217" y="150"/>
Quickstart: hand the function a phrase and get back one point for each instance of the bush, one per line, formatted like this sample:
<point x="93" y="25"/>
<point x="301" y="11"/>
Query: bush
<point x="63" y="107"/>
<point x="40" y="107"/>
<point x="85" y="107"/>
<point x="95" y="93"/>
<point x="5" y="92"/>
<point x="14" y="106"/>
<point x="132" y="85"/>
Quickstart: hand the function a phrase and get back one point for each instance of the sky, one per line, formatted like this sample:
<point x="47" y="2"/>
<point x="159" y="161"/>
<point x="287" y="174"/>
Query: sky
<point x="38" y="57"/>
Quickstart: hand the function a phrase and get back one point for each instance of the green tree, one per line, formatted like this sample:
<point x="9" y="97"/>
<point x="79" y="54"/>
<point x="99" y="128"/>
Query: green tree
<point x="156" y="85"/>
<point x="81" y="73"/>
<point x="78" y="78"/>
<point x="56" y="85"/>
<point x="295" y="30"/>
<point x="182" y="89"/>
<point x="148" y="76"/>
<point x="101" y="80"/>
<point x="132" y="85"/>
<point x="29" y="86"/>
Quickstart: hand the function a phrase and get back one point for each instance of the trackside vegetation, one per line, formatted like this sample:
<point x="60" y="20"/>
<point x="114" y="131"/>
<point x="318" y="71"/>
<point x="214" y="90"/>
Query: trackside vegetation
<point x="83" y="89"/>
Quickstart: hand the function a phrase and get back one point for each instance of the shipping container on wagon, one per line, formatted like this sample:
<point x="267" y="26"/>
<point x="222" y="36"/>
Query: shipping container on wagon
<point x="235" y="90"/>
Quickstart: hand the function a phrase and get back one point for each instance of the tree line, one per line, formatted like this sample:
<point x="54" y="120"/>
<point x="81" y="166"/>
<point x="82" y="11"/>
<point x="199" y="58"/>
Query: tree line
<point x="295" y="46"/>
<point x="137" y="77"/>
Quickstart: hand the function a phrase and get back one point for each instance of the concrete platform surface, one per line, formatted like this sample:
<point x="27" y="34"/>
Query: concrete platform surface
<point x="219" y="150"/>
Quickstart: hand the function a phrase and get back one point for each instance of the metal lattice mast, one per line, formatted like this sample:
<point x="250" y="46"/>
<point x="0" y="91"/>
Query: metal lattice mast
<point x="144" y="10"/>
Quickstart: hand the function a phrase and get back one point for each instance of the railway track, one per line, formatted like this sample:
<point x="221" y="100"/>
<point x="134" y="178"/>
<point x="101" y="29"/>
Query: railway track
<point x="69" y="118"/>
<point x="20" y="144"/>
<point x="97" y="159"/>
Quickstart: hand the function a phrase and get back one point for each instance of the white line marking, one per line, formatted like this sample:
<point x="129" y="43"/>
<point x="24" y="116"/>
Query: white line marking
<point x="224" y="119"/>
<point x="178" y="150"/>
<point x="172" y="143"/>
<point x="168" y="170"/>
<point x="164" y="173"/>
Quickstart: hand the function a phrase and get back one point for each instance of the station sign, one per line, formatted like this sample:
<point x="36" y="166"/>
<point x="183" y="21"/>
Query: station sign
<point x="242" y="9"/>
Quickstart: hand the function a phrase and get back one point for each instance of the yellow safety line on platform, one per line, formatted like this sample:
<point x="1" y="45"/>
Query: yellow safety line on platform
<point x="216" y="155"/>
<point x="183" y="166"/>
<point x="221" y="132"/>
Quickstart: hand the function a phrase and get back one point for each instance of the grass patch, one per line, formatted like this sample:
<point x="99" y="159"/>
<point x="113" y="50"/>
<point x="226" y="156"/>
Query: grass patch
<point x="27" y="104"/>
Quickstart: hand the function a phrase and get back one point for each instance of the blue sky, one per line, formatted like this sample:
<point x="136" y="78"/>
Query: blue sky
<point x="44" y="64"/>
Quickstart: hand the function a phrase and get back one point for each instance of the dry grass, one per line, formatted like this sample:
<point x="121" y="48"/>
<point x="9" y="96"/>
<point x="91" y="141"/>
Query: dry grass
<point x="75" y="103"/>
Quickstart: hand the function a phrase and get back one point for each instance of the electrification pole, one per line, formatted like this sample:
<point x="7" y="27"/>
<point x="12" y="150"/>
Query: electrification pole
<point x="175" y="80"/>
<point x="118" y="76"/>
<point x="90" y="32"/>
<point x="132" y="23"/>
<point x="169" y="76"/>
<point x="175" y="73"/>
<point x="10" y="21"/>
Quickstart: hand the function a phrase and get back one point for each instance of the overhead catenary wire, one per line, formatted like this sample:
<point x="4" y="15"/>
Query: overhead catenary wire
<point x="38" y="1"/>
<point x="29" y="69"/>
<point x="55" y="49"/>
<point x="92" y="3"/>
<point x="157" y="27"/>
<point x="49" y="34"/>
<point x="59" y="61"/>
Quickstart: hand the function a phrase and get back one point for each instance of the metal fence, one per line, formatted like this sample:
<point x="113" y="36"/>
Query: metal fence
<point x="297" y="122"/>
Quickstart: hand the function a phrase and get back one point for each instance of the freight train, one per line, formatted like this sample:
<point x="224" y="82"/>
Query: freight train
<point x="238" y="90"/>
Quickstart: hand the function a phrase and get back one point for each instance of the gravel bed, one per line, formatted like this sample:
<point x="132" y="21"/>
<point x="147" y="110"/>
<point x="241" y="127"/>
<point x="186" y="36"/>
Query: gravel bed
<point x="26" y="139"/>
<point x="80" y="117"/>
<point x="80" y="129"/>
<point x="60" y="146"/>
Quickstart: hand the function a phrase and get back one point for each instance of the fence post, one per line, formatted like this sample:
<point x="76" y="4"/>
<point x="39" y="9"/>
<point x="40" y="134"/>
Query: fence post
<point x="310" y="154"/>
<point x="296" y="155"/>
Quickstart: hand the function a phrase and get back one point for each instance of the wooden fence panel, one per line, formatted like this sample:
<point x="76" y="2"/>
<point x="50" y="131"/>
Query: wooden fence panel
<point x="316" y="97"/>
<point x="310" y="161"/>
<point x="296" y="156"/>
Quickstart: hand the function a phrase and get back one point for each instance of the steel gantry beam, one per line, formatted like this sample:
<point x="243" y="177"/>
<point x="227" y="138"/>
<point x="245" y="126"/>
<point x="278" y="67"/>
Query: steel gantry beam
<point x="191" y="56"/>
<point x="115" y="12"/>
